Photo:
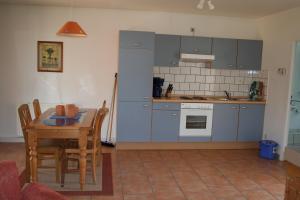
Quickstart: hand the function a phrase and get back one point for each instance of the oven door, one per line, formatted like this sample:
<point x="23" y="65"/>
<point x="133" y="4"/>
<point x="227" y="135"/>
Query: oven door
<point x="195" y="122"/>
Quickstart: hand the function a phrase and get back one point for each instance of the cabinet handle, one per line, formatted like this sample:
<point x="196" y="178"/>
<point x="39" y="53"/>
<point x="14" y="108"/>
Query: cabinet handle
<point x="146" y="105"/>
<point x="195" y="50"/>
<point x="243" y="107"/>
<point x="174" y="114"/>
<point x="234" y="107"/>
<point x="167" y="106"/>
<point x="146" y="97"/>
<point x="230" y="65"/>
<point x="137" y="44"/>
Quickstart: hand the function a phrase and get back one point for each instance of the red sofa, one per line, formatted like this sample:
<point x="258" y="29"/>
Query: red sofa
<point x="10" y="188"/>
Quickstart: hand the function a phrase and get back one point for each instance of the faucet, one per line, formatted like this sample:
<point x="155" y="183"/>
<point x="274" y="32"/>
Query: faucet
<point x="227" y="95"/>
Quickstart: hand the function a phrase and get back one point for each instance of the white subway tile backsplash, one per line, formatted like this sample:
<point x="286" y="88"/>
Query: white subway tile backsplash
<point x="174" y="70"/>
<point x="179" y="78"/>
<point x="190" y="78"/>
<point x="210" y="79"/>
<point x="164" y="70"/>
<point x="194" y="86"/>
<point x="184" y="86"/>
<point x="169" y="77"/>
<point x="156" y="70"/>
<point x="195" y="70"/>
<point x="238" y="80"/>
<point x="229" y="80"/>
<point x="220" y="79"/>
<point x="233" y="88"/>
<point x="185" y="70"/>
<point x="194" y="79"/>
<point x="200" y="79"/>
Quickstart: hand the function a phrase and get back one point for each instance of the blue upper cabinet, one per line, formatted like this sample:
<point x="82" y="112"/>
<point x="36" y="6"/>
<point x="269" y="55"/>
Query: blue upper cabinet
<point x="225" y="51"/>
<point x="137" y="40"/>
<point x="249" y="54"/>
<point x="167" y="50"/>
<point x="196" y="45"/>
<point x="136" y="66"/>
<point x="251" y="120"/>
<point x="225" y="122"/>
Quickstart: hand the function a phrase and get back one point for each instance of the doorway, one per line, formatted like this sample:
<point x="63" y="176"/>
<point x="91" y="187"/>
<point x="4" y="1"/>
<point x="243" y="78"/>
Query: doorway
<point x="294" y="122"/>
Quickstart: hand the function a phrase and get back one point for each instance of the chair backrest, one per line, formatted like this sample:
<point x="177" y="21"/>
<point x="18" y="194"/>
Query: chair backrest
<point x="9" y="181"/>
<point x="25" y="119"/>
<point x="101" y="113"/>
<point x="37" y="108"/>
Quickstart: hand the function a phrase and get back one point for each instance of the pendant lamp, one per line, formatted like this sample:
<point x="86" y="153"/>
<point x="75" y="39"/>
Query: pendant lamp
<point x="71" y="29"/>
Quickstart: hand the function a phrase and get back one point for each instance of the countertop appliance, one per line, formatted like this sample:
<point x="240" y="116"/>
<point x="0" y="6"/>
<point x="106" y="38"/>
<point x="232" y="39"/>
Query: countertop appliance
<point x="157" y="84"/>
<point x="196" y="119"/>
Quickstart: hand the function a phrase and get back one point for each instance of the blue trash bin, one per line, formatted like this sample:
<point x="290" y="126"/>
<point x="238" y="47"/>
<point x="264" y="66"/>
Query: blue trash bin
<point x="268" y="149"/>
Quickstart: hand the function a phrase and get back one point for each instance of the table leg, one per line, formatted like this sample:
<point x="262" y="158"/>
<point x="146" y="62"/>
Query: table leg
<point x="32" y="143"/>
<point x="82" y="163"/>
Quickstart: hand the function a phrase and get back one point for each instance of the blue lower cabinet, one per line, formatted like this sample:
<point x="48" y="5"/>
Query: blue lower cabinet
<point x="251" y="120"/>
<point x="225" y="122"/>
<point x="165" y="125"/>
<point x="134" y="121"/>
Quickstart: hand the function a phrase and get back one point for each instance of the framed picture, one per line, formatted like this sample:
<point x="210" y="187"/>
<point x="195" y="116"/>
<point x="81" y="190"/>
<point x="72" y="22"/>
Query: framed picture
<point x="50" y="56"/>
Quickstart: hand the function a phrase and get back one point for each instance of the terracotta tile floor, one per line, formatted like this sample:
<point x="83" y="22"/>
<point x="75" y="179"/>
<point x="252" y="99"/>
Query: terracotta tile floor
<point x="185" y="174"/>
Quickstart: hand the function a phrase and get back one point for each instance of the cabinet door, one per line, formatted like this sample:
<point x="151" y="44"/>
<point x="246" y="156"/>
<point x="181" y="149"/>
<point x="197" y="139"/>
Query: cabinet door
<point x="134" y="121"/>
<point x="137" y="40"/>
<point x="167" y="50"/>
<point x="225" y="122"/>
<point x="225" y="51"/>
<point x="165" y="125"/>
<point x="196" y="45"/>
<point x="249" y="54"/>
<point x="135" y="75"/>
<point x="251" y="120"/>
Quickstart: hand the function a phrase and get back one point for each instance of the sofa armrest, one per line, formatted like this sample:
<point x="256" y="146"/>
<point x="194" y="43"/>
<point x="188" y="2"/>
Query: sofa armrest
<point x="34" y="191"/>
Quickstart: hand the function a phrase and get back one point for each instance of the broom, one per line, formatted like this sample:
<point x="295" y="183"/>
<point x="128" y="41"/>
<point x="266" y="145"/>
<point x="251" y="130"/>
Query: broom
<point x="108" y="141"/>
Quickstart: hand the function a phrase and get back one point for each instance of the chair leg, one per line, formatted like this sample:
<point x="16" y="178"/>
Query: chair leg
<point x="57" y="166"/>
<point x="64" y="167"/>
<point x="94" y="165"/>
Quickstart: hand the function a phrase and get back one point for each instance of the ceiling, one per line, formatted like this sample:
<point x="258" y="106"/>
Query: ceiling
<point x="231" y="8"/>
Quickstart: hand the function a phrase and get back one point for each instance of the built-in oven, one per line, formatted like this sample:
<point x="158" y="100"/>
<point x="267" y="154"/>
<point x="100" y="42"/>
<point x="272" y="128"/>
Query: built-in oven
<point x="196" y="119"/>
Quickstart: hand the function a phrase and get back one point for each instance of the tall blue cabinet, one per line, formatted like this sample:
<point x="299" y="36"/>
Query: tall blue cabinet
<point x="136" y="60"/>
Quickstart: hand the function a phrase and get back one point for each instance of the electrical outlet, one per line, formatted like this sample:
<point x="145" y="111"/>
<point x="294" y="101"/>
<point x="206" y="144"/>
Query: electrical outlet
<point x="192" y="29"/>
<point x="265" y="136"/>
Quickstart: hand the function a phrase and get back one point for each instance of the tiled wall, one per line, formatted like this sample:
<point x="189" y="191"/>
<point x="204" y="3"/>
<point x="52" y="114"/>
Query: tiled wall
<point x="195" y="79"/>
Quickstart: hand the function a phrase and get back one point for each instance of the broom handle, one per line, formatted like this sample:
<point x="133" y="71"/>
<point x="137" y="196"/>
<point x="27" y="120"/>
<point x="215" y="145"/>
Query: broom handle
<point x="113" y="106"/>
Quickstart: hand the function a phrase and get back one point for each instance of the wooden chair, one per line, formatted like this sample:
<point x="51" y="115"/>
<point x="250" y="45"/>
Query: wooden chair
<point x="36" y="108"/>
<point x="93" y="146"/>
<point x="292" y="189"/>
<point x="44" y="152"/>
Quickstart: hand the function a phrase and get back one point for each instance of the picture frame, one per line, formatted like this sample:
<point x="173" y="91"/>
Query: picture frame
<point x="50" y="56"/>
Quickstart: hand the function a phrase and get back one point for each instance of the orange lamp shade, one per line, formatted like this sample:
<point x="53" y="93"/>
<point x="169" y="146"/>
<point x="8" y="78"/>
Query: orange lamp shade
<point x="73" y="29"/>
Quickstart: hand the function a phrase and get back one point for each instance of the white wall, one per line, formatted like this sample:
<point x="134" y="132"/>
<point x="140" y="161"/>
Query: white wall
<point x="89" y="63"/>
<point x="279" y="32"/>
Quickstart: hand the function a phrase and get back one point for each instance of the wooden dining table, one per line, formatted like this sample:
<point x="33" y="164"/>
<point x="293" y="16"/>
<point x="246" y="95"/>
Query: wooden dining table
<point x="79" y="129"/>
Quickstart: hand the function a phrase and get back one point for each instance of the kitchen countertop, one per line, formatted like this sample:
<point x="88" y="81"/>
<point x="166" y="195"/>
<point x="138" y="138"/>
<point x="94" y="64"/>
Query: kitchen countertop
<point x="207" y="99"/>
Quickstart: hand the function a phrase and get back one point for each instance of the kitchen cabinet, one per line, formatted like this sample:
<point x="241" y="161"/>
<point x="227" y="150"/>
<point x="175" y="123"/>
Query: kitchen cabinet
<point x="196" y="45"/>
<point x="167" y="50"/>
<point x="225" y="51"/>
<point x="134" y="121"/>
<point x="165" y="125"/>
<point x="251" y="120"/>
<point x="225" y="122"/>
<point x="136" y="40"/>
<point x="249" y="54"/>
<point x="135" y="74"/>
<point x="135" y="77"/>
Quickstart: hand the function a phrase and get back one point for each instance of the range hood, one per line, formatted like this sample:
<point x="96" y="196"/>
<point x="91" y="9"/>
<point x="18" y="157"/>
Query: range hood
<point x="196" y="58"/>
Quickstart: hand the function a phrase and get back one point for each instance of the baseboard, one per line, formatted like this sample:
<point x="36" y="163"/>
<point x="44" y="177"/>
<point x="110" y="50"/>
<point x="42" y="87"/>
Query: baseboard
<point x="12" y="139"/>
<point x="185" y="145"/>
